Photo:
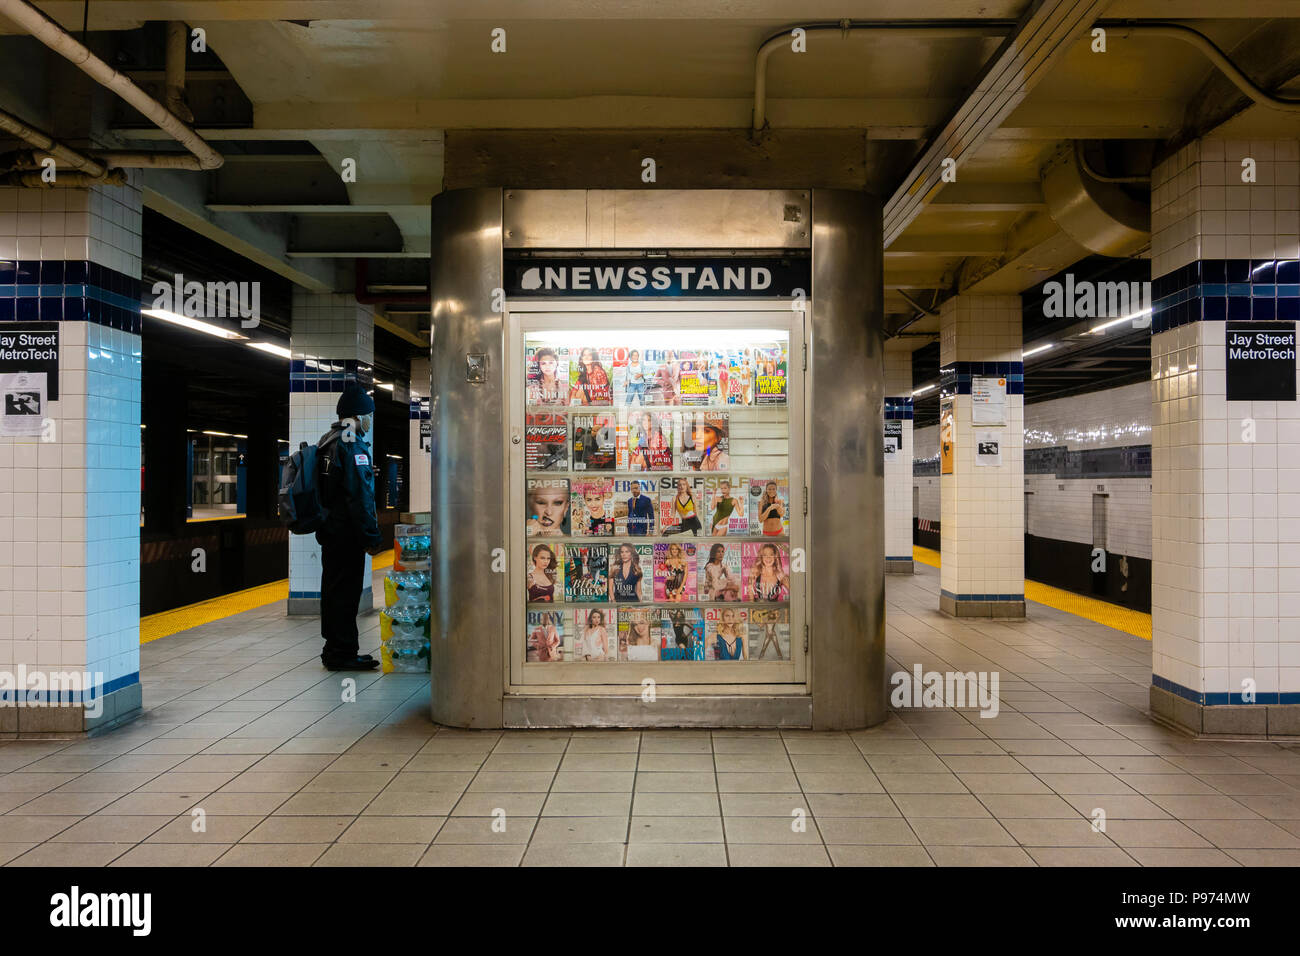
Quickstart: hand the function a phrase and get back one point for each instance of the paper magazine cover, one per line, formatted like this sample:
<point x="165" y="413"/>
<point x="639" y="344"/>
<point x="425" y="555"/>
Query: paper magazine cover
<point x="728" y="506"/>
<point x="546" y="442"/>
<point x="596" y="637"/>
<point x="726" y="630"/>
<point x="548" y="375"/>
<point x="638" y="634"/>
<point x="594" y="441"/>
<point x="590" y="371"/>
<point x="769" y="506"/>
<point x="766" y="568"/>
<point x="593" y="505"/>
<point x="545" y="577"/>
<point x="647" y="441"/>
<point x="740" y="378"/>
<point x="586" y="572"/>
<point x="631" y="572"/>
<point x="675" y="571"/>
<point x="769" y="634"/>
<point x="681" y="505"/>
<point x="770" y="374"/>
<point x="693" y="382"/>
<point x="720" y="572"/>
<point x="660" y="377"/>
<point x="705" y="441"/>
<point x="637" y="373"/>
<point x="681" y="634"/>
<point x="618" y="375"/>
<point x="636" y="503"/>
<point x="546" y="506"/>
<point x="549" y="638"/>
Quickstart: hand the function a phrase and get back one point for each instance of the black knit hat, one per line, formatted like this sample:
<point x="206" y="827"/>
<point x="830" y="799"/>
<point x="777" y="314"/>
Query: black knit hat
<point x="354" y="401"/>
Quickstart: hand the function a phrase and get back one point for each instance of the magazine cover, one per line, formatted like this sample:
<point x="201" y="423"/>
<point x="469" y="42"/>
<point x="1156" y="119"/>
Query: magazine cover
<point x="769" y="633"/>
<point x="618" y="375"/>
<point x="726" y="630"/>
<point x="675" y="571"/>
<point x="546" y="506"/>
<point x="548" y="375"/>
<point x="646" y="444"/>
<point x="589" y="376"/>
<point x="636" y="502"/>
<point x="546" y="442"/>
<point x="661" y="377"/>
<point x="545" y="579"/>
<point x="770" y="362"/>
<point x="769" y="506"/>
<point x="740" y="378"/>
<point x="586" y="572"/>
<point x="704" y="441"/>
<point x="595" y="442"/>
<point x="593" y="505"/>
<point x="681" y="505"/>
<point x="766" y="567"/>
<point x="720" y="572"/>
<point x="728" y="506"/>
<point x="637" y="374"/>
<point x="693" y="383"/>
<point x="596" y="636"/>
<point x="681" y="634"/>
<point x="638" y="634"/>
<point x="631" y="572"/>
<point x="549" y="638"/>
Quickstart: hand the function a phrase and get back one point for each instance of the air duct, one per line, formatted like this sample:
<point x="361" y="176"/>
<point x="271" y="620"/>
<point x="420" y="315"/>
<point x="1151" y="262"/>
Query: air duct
<point x="1103" y="217"/>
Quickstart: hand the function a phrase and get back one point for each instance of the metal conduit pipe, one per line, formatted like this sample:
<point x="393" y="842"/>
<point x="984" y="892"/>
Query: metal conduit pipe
<point x="174" y="69"/>
<point x="916" y="305"/>
<point x="60" y="41"/>
<point x="1102" y="177"/>
<point x="63" y="154"/>
<point x="31" y="179"/>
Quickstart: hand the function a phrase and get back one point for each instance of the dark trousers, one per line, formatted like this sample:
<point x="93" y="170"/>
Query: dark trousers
<point x="342" y="568"/>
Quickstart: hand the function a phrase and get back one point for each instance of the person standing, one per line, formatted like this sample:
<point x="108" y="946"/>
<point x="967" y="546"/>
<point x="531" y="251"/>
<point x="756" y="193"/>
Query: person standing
<point x="640" y="512"/>
<point x="350" y="531"/>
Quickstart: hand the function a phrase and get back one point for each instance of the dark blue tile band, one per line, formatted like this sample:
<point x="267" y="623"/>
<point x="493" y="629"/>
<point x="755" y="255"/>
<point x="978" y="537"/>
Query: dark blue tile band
<point x="59" y="290"/>
<point x="1217" y="290"/>
<point x="1217" y="699"/>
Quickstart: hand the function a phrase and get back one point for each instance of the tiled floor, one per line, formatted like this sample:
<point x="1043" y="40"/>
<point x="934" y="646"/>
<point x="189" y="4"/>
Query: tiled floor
<point x="243" y="725"/>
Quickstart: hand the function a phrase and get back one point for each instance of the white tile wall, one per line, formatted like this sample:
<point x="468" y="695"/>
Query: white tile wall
<point x="898" y="474"/>
<point x="420" y="480"/>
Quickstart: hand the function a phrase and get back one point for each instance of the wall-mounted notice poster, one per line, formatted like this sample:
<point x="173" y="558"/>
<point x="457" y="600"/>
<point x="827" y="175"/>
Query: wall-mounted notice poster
<point x="893" y="440"/>
<point x="988" y="400"/>
<point x="32" y="347"/>
<point x="24" y="398"/>
<point x="947" y="436"/>
<point x="988" y="449"/>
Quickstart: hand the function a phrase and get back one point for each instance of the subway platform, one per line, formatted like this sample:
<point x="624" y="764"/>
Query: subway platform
<point x="247" y="755"/>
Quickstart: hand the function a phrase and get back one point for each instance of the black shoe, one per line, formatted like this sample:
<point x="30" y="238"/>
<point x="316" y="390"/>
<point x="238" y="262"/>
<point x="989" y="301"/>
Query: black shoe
<point x="356" y="664"/>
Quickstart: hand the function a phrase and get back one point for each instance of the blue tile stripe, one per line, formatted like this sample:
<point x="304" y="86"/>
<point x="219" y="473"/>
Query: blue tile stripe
<point x="304" y="594"/>
<point x="898" y="408"/>
<point x="983" y="597"/>
<point x="900" y="557"/>
<point x="71" y="290"/>
<point x="1234" y="290"/>
<point x="68" y="696"/>
<point x="327" y="374"/>
<point x="955" y="379"/>
<point x="1223" y="699"/>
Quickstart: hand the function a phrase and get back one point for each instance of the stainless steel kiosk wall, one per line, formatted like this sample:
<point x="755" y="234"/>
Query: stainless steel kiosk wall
<point x="842" y="459"/>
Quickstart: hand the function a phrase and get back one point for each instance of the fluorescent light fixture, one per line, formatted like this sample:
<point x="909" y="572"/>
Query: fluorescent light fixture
<point x="385" y="386"/>
<point x="242" y="436"/>
<point x="1036" y="349"/>
<point x="283" y="441"/>
<point x="271" y="348"/>
<point x="193" y="324"/>
<point x="923" y="390"/>
<point x="219" y="434"/>
<point x="1125" y="318"/>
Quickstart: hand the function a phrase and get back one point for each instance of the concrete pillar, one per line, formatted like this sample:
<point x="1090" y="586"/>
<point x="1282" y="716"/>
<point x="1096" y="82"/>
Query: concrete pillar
<point x="1225" y="510"/>
<point x="70" y="493"/>
<point x="332" y="341"/>
<point x="898" y="463"/>
<point x="981" y="457"/>
<point x="420" y="500"/>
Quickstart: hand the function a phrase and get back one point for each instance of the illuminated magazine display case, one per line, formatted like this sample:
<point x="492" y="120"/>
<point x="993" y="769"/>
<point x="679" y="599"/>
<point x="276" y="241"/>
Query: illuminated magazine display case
<point x="657" y="499"/>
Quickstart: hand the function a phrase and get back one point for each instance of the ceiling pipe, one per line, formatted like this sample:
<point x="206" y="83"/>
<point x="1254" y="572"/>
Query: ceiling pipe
<point x="174" y="69"/>
<point x="62" y="154"/>
<point x="363" y="294"/>
<point x="32" y="179"/>
<point x="60" y="41"/>
<point x="1092" y="172"/>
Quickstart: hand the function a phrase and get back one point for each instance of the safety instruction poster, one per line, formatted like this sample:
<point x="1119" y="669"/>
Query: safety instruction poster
<point x="988" y="449"/>
<point x="893" y="440"/>
<point x="988" y="400"/>
<point x="22" y="403"/>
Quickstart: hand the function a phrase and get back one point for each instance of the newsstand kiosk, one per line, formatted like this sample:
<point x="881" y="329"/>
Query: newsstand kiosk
<point x="658" y="484"/>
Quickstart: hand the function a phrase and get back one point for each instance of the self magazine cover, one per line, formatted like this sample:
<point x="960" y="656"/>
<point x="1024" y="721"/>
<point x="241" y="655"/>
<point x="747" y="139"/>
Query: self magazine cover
<point x="726" y="630"/>
<point x="631" y="573"/>
<point x="546" y="442"/>
<point x="589" y="376"/>
<point x="682" y="502"/>
<point x="593" y="506"/>
<point x="681" y="634"/>
<point x="675" y="571"/>
<point x="769" y="634"/>
<point x="720" y="572"/>
<point x="586" y="572"/>
<point x="548" y="375"/>
<point x="728" y="506"/>
<point x="548" y="636"/>
<point x="705" y="441"/>
<point x="766" y="568"/>
<point x="596" y="637"/>
<point x="638" y="634"/>
<point x="769" y="506"/>
<point x="636" y="505"/>
<point x="545" y="578"/>
<point x="546" y="507"/>
<point x="647" y="441"/>
<point x="594" y="441"/>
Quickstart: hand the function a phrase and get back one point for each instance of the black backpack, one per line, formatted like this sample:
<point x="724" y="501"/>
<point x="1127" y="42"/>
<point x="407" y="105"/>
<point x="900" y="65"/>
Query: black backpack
<point x="302" y="504"/>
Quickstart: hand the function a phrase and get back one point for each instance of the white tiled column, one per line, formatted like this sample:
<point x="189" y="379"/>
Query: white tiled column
<point x="420" y="498"/>
<point x="332" y="341"/>
<point x="1225" y="509"/>
<point x="983" y="555"/>
<point x="70" y="498"/>
<point x="898" y="473"/>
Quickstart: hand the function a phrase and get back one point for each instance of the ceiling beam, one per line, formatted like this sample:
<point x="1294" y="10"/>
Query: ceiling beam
<point x="972" y="244"/>
<point x="991" y="197"/>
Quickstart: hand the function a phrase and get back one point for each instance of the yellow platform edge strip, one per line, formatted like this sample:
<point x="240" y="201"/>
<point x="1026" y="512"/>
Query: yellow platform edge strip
<point x="1100" y="612"/>
<point x="165" y="623"/>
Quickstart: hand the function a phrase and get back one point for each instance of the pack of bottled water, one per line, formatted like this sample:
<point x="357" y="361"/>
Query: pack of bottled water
<point x="409" y="603"/>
